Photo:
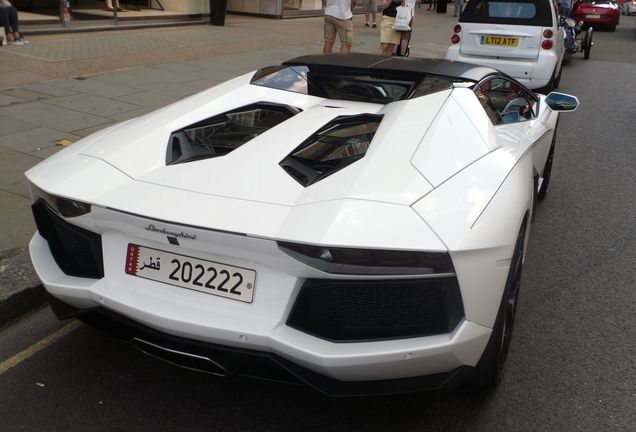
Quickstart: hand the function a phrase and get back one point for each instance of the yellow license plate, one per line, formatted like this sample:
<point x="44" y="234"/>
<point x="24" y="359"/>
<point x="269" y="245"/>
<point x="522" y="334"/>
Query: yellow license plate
<point x="508" y="41"/>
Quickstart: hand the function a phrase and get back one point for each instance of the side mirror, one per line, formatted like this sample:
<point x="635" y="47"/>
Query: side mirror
<point x="561" y="101"/>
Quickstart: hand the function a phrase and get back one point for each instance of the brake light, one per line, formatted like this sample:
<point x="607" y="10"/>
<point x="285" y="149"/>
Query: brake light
<point x="455" y="39"/>
<point x="457" y="28"/>
<point x="337" y="260"/>
<point x="547" y="33"/>
<point x="547" y="44"/>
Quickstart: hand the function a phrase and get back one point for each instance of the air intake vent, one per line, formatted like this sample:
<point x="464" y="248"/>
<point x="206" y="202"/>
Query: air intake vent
<point x="219" y="135"/>
<point x="366" y="310"/>
<point x="338" y="144"/>
<point x="76" y="251"/>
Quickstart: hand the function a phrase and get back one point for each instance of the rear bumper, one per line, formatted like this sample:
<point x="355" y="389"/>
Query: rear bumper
<point x="225" y="360"/>
<point x="531" y="73"/>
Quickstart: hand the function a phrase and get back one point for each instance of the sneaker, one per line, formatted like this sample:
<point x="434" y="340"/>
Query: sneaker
<point x="366" y="24"/>
<point x="16" y="42"/>
<point x="25" y="42"/>
<point x="375" y="25"/>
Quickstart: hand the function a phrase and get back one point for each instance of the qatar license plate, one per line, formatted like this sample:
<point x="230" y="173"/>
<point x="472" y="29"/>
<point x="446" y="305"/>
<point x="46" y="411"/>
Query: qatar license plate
<point x="593" y="16"/>
<point x="509" y="41"/>
<point x="210" y="277"/>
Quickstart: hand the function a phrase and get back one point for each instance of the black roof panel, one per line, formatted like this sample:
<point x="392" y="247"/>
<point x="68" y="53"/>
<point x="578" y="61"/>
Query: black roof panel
<point x="378" y="63"/>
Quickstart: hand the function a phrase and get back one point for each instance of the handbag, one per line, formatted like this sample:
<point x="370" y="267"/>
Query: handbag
<point x="402" y="19"/>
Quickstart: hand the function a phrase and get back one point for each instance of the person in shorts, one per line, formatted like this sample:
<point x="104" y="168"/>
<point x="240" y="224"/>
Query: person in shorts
<point x="338" y="21"/>
<point x="370" y="6"/>
<point x="389" y="37"/>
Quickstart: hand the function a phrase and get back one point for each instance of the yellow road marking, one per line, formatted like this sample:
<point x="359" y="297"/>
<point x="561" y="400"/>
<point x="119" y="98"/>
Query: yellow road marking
<point x="38" y="346"/>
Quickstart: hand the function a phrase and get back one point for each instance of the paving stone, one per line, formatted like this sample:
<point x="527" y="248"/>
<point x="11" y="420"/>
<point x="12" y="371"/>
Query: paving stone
<point x="12" y="175"/>
<point x="9" y="100"/>
<point x="25" y="94"/>
<point x="120" y="77"/>
<point x="93" y="86"/>
<point x="15" y="214"/>
<point x="89" y="131"/>
<point x="52" y="117"/>
<point x="38" y="142"/>
<point x="179" y="90"/>
<point x="149" y="99"/>
<point x="59" y="50"/>
<point x="48" y="89"/>
<point x="180" y="67"/>
<point x="131" y="114"/>
<point x="150" y="75"/>
<point x="92" y="104"/>
<point x="9" y="125"/>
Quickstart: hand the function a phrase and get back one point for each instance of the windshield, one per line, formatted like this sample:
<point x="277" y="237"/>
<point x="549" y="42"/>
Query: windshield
<point x="519" y="12"/>
<point x="352" y="85"/>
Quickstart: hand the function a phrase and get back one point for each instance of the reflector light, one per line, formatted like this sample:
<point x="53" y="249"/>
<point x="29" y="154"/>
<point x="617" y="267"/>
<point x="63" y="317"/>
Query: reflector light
<point x="455" y="39"/>
<point x="457" y="28"/>
<point x="547" y="44"/>
<point x="547" y="33"/>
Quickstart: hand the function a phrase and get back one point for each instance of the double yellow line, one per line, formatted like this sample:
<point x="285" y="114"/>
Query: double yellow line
<point x="38" y="346"/>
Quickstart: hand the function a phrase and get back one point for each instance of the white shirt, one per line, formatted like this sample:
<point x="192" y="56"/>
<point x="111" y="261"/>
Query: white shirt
<point x="340" y="9"/>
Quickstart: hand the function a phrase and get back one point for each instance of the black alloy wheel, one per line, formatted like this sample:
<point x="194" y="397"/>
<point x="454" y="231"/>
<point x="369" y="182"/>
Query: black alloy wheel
<point x="490" y="369"/>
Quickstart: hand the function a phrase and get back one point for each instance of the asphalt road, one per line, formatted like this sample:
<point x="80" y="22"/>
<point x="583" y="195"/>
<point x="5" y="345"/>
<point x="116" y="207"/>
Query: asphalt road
<point x="573" y="360"/>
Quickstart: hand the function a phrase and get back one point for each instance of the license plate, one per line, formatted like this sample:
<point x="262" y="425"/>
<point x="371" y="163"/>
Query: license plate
<point x="210" y="277"/>
<point x="500" y="40"/>
<point x="593" y="16"/>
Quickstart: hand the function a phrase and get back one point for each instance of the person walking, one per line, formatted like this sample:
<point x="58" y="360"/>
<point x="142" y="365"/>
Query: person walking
<point x="370" y="7"/>
<point x="457" y="7"/>
<point x="389" y="37"/>
<point x="9" y="20"/>
<point x="338" y="21"/>
<point x="432" y="4"/>
<point x="566" y="8"/>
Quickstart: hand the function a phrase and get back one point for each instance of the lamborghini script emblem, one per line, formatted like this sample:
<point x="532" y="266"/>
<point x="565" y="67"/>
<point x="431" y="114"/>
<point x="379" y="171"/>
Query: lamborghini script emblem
<point x="173" y="234"/>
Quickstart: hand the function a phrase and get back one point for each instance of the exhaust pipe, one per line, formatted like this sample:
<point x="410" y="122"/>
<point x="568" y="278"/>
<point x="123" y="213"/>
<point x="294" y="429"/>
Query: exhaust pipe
<point x="181" y="359"/>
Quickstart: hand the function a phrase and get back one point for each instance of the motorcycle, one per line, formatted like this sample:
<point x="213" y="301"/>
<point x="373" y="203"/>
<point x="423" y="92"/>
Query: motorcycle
<point x="575" y="40"/>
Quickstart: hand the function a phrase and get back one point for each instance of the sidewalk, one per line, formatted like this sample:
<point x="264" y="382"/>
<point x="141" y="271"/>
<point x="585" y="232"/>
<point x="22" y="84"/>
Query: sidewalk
<point x="67" y="86"/>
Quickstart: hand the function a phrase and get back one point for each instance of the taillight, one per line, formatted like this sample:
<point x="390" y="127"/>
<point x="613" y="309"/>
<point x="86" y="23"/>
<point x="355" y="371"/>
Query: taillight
<point x="547" y="33"/>
<point x="455" y="39"/>
<point x="547" y="44"/>
<point x="457" y="28"/>
<point x="339" y="260"/>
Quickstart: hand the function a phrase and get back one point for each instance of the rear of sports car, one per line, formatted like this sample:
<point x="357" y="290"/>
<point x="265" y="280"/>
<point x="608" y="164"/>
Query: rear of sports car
<point x="294" y="248"/>
<point x="519" y="38"/>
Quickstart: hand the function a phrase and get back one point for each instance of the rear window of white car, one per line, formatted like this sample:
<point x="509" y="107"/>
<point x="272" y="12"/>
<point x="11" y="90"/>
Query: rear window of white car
<point x="517" y="12"/>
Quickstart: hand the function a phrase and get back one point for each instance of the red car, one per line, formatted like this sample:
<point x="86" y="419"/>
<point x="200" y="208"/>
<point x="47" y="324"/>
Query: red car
<point x="597" y="12"/>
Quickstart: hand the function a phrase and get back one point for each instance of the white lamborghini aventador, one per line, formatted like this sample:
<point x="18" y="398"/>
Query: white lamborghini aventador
<point x="353" y="222"/>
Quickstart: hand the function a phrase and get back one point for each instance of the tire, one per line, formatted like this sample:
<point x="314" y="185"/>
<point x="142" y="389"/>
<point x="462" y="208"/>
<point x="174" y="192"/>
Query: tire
<point x="547" y="171"/>
<point x="489" y="370"/>
<point x="587" y="42"/>
<point x="612" y="28"/>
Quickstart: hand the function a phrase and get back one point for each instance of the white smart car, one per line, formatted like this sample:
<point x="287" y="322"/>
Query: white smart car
<point x="354" y="222"/>
<point x="522" y="38"/>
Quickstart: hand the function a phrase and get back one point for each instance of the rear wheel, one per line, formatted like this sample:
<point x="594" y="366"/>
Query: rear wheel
<point x="587" y="43"/>
<point x="490" y="368"/>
